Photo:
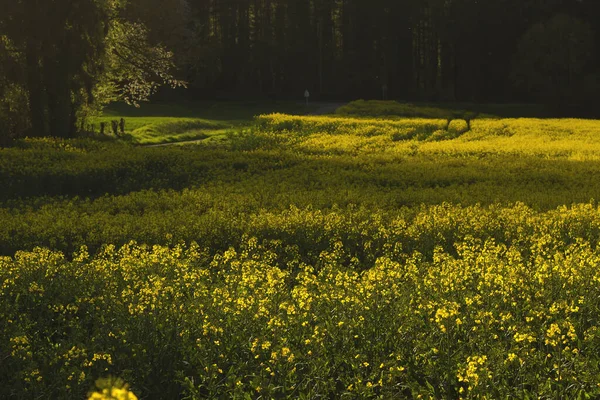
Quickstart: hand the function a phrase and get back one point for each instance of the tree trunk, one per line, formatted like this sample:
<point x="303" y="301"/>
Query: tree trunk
<point x="36" y="91"/>
<point x="60" y="107"/>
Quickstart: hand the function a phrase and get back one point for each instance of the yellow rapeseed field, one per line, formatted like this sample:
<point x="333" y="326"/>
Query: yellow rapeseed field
<point x="328" y="257"/>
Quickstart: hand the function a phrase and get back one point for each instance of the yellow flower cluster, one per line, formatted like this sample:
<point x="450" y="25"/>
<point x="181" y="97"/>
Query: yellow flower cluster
<point x="485" y="318"/>
<point x="113" y="394"/>
<point x="112" y="389"/>
<point x="474" y="369"/>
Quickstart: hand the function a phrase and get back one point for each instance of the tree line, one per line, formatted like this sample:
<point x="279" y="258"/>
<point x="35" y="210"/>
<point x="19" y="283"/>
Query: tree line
<point x="434" y="50"/>
<point x="427" y="50"/>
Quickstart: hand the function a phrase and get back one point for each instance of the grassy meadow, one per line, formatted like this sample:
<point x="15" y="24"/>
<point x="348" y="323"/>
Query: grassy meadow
<point x="399" y="252"/>
<point x="155" y="124"/>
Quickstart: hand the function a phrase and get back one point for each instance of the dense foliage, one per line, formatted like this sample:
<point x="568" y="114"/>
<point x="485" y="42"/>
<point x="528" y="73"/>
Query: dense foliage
<point x="455" y="50"/>
<point x="59" y="60"/>
<point x="369" y="319"/>
<point x="112" y="193"/>
<point x="307" y="257"/>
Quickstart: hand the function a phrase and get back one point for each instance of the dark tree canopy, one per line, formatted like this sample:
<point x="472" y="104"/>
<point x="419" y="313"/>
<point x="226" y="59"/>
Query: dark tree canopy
<point x="450" y="50"/>
<point x="59" y="58"/>
<point x="552" y="59"/>
<point x="58" y="44"/>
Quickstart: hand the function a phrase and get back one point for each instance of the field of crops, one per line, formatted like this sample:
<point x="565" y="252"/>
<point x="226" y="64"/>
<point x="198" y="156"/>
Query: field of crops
<point x="307" y="257"/>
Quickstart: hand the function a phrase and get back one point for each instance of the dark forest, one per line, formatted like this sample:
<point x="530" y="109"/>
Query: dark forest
<point x="436" y="50"/>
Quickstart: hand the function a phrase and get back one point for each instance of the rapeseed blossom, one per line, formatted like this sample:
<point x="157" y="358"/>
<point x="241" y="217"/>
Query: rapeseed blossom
<point x="324" y="298"/>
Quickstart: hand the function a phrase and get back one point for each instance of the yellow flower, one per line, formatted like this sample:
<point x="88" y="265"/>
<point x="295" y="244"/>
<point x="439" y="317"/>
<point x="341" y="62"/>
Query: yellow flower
<point x="112" y="391"/>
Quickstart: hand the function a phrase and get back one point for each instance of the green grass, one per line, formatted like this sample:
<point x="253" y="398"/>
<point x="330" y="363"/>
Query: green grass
<point x="162" y="123"/>
<point x="168" y="130"/>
